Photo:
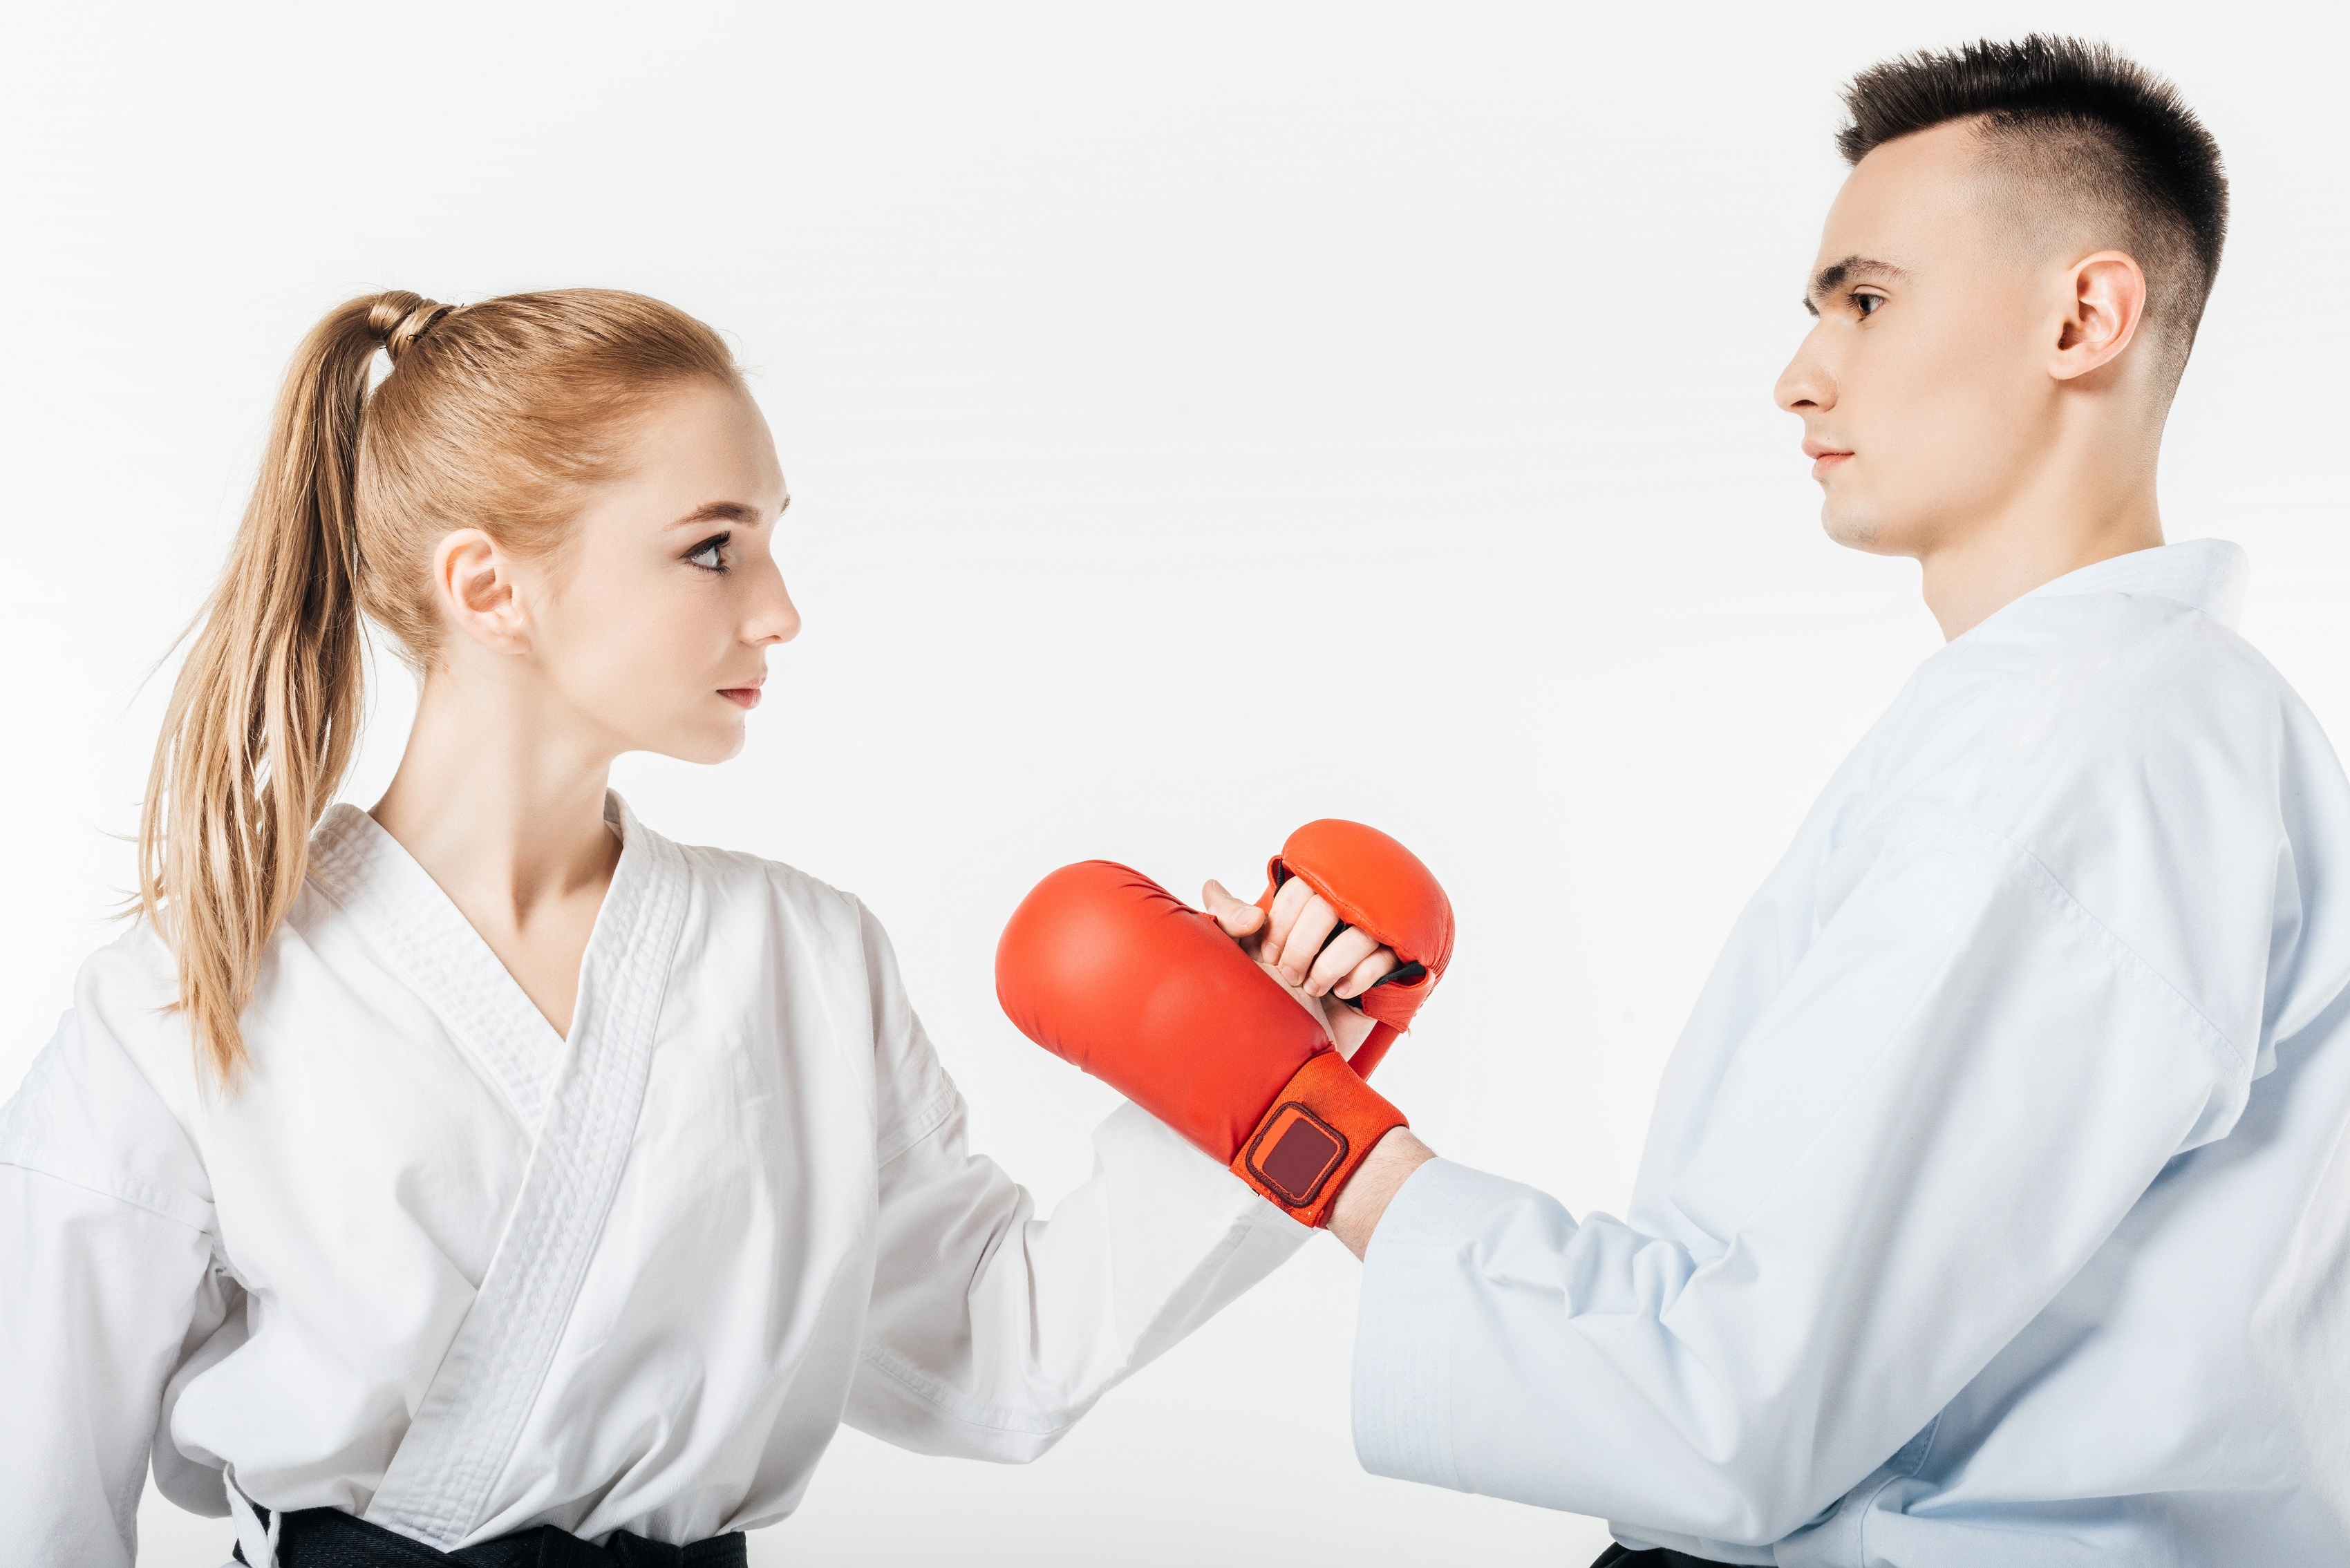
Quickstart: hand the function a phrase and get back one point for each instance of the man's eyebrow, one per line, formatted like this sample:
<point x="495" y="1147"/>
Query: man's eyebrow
<point x="1852" y="269"/>
<point x="738" y="512"/>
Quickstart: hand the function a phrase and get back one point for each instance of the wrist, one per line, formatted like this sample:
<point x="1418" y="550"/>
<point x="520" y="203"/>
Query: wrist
<point x="1372" y="1186"/>
<point x="1323" y="1124"/>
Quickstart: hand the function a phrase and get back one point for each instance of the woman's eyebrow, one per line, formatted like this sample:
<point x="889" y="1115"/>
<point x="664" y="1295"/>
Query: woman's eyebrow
<point x="722" y="512"/>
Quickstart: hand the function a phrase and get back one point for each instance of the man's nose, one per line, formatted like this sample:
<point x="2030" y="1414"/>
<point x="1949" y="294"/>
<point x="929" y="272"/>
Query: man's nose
<point x="1805" y="383"/>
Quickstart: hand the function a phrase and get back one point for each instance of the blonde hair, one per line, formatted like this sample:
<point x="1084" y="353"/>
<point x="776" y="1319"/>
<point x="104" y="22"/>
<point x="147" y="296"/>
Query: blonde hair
<point x="497" y="416"/>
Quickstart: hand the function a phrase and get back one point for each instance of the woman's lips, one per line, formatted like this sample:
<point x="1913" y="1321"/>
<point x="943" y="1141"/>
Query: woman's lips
<point x="743" y="697"/>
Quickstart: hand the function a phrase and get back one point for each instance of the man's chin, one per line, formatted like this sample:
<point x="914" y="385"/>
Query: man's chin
<point x="1854" y="528"/>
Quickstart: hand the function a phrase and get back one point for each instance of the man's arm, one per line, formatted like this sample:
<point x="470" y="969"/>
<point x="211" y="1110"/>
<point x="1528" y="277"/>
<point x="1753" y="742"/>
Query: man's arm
<point x="1956" y="1096"/>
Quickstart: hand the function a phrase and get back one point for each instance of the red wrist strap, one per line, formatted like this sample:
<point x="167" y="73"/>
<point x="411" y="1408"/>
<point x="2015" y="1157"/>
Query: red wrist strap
<point x="1322" y="1124"/>
<point x="1373" y="1050"/>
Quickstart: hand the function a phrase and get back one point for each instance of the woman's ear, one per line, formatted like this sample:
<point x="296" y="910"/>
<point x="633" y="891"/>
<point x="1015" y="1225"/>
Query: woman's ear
<point x="474" y="581"/>
<point x="2107" y="303"/>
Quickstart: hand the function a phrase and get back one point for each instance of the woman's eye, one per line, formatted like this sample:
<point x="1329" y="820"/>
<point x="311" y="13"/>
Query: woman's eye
<point x="711" y="553"/>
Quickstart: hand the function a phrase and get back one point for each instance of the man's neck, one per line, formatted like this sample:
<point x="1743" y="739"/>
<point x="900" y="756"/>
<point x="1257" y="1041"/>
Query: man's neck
<point x="1982" y="569"/>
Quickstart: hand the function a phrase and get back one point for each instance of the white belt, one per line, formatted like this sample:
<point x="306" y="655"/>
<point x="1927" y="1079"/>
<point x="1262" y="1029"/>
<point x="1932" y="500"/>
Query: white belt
<point x="259" y="1545"/>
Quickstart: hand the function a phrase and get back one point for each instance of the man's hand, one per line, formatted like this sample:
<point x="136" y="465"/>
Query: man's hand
<point x="1323" y="983"/>
<point x="1293" y="940"/>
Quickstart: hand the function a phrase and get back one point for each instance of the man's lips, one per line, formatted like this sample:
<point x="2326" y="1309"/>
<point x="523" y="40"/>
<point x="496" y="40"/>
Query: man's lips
<point x="1825" y="459"/>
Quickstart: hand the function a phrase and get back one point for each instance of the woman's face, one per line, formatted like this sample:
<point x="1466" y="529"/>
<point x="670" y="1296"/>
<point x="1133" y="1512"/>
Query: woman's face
<point x="652" y="623"/>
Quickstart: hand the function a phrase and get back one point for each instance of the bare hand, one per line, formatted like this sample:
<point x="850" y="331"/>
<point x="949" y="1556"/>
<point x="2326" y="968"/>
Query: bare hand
<point x="1295" y="939"/>
<point x="1313" y="979"/>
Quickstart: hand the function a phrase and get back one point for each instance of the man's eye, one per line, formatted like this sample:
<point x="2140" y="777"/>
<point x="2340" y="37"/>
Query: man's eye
<point x="1864" y="304"/>
<point x="711" y="553"/>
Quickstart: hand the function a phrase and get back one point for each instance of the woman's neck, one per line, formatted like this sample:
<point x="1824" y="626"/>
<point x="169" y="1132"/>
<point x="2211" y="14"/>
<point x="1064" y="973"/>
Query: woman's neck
<point x="502" y="804"/>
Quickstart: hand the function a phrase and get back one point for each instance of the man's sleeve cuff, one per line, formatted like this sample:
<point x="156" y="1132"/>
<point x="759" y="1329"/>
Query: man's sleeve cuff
<point x="1414" y="1286"/>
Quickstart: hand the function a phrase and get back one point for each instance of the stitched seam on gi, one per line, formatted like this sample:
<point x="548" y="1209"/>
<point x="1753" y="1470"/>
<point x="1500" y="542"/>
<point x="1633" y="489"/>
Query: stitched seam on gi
<point x="934" y="1393"/>
<point x="157" y="1202"/>
<point x="933" y="1115"/>
<point x="2049" y="886"/>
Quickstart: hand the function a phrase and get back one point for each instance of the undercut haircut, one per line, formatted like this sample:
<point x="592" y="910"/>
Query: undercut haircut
<point x="2080" y="133"/>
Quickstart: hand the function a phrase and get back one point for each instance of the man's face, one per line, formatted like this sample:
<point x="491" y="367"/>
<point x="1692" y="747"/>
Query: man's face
<point x="1924" y="390"/>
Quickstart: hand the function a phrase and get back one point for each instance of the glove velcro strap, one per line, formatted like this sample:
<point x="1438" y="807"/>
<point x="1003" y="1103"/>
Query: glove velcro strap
<point x="1321" y="1124"/>
<point x="1394" y="1003"/>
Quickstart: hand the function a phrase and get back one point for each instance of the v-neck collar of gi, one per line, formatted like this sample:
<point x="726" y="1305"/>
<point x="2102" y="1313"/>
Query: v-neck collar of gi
<point x="2207" y="575"/>
<point x="413" y="924"/>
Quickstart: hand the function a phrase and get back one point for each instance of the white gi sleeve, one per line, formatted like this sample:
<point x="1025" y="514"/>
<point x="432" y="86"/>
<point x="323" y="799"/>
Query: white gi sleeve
<point x="990" y="1331"/>
<point x="105" y="1261"/>
<point x="1962" y="1086"/>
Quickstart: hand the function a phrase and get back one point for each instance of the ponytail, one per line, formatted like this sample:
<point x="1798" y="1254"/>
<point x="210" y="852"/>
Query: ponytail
<point x="265" y="710"/>
<point x="500" y="417"/>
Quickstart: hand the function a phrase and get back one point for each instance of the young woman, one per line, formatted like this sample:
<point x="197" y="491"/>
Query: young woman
<point x="485" y="1163"/>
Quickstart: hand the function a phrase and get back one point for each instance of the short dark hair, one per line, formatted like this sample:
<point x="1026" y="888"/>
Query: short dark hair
<point x="2080" y="121"/>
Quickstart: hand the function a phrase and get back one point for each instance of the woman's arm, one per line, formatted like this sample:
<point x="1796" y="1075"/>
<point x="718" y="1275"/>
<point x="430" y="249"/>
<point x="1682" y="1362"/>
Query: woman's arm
<point x="990" y="1330"/>
<point x="993" y="1330"/>
<point x="104" y="1251"/>
<point x="88" y="1333"/>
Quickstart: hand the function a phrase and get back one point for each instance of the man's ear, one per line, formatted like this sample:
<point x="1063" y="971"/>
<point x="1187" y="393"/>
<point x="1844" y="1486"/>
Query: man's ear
<point x="2107" y="303"/>
<point x="474" y="581"/>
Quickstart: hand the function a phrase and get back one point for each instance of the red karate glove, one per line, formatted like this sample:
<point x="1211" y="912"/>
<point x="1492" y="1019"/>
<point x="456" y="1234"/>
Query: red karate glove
<point x="1380" y="889"/>
<point x="1109" y="972"/>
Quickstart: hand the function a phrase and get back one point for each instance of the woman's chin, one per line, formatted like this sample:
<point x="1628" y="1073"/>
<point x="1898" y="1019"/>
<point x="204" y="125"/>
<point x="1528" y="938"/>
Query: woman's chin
<point x="709" y="743"/>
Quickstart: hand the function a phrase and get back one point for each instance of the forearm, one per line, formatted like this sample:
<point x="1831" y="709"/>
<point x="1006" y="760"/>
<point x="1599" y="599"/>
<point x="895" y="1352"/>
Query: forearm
<point x="991" y="1331"/>
<point x="1364" y="1199"/>
<point x="1503" y="1346"/>
<point x="1699" y="1385"/>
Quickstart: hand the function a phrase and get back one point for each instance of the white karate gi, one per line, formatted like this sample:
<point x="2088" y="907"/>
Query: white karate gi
<point x="1996" y="1208"/>
<point x="437" y="1266"/>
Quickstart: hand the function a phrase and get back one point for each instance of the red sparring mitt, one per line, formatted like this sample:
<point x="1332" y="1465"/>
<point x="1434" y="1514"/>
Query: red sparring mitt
<point x="1380" y="889"/>
<point x="1109" y="972"/>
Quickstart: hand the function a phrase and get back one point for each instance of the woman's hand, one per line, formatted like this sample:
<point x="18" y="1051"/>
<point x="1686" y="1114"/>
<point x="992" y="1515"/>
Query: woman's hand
<point x="1289" y="945"/>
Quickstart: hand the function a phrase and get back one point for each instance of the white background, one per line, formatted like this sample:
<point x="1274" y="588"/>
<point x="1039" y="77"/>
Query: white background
<point x="1201" y="419"/>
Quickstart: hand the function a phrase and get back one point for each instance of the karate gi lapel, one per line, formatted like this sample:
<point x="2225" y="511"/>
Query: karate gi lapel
<point x="413" y="930"/>
<point x="439" y="1484"/>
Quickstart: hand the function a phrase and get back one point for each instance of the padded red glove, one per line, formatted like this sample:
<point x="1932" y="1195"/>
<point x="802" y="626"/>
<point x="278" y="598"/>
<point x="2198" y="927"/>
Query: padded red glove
<point x="1380" y="889"/>
<point x="1109" y="972"/>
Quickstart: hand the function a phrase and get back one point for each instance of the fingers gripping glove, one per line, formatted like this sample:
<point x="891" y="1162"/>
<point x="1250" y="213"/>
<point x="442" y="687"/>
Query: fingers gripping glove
<point x="1381" y="890"/>
<point x="1110" y="973"/>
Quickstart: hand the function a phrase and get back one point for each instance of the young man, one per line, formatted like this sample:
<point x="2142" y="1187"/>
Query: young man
<point x="1996" y="1208"/>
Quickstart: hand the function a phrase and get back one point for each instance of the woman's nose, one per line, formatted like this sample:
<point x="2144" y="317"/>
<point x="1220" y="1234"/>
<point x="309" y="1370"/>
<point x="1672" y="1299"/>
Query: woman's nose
<point x="775" y="619"/>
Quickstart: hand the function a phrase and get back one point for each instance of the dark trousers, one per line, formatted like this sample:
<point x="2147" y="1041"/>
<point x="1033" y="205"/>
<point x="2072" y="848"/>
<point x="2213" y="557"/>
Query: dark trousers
<point x="1620" y="1555"/>
<point x="329" y="1538"/>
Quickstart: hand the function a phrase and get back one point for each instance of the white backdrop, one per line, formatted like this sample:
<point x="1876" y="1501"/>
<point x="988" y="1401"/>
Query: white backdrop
<point x="1200" y="419"/>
